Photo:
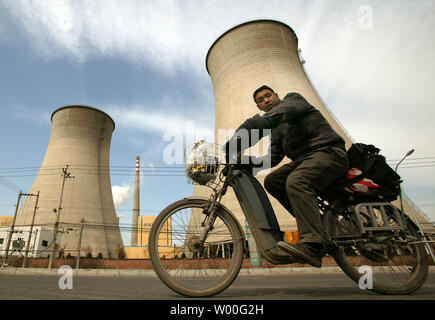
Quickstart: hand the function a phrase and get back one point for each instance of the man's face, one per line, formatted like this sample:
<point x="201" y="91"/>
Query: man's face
<point x="266" y="100"/>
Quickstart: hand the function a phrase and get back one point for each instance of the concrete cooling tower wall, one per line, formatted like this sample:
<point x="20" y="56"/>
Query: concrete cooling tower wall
<point x="243" y="59"/>
<point x="80" y="139"/>
<point x="253" y="54"/>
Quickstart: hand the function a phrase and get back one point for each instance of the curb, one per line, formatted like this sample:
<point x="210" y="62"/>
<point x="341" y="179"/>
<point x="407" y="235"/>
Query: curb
<point x="151" y="273"/>
<point x="79" y="272"/>
<point x="302" y="270"/>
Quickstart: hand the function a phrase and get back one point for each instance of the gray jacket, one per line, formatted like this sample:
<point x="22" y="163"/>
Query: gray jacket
<point x="297" y="128"/>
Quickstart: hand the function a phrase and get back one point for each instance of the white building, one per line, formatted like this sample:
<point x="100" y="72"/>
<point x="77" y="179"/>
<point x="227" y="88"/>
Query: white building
<point x="40" y="241"/>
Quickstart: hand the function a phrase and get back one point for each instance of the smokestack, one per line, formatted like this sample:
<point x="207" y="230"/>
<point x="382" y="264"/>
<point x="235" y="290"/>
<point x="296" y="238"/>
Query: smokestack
<point x="136" y="206"/>
<point x="80" y="139"/>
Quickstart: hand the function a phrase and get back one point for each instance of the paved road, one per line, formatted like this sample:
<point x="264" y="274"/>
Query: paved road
<point x="247" y="287"/>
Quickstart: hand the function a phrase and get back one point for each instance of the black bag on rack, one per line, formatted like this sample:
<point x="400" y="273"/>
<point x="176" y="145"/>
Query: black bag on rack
<point x="374" y="166"/>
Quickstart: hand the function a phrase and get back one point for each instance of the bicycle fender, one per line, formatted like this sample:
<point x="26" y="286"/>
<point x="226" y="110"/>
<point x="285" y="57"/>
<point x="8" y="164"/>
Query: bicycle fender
<point x="258" y="211"/>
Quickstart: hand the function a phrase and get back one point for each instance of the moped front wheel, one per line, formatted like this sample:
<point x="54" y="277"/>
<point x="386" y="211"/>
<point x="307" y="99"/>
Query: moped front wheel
<point x="186" y="262"/>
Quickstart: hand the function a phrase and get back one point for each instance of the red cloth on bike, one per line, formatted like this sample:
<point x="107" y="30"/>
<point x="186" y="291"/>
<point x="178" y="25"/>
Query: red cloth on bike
<point x="362" y="186"/>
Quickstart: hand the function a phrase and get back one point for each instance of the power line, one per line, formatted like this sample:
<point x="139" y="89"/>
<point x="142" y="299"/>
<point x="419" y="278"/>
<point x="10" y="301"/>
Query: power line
<point x="10" y="185"/>
<point x="92" y="166"/>
<point x="409" y="167"/>
<point x="95" y="170"/>
<point x="131" y="171"/>
<point x="121" y="168"/>
<point x="412" y="159"/>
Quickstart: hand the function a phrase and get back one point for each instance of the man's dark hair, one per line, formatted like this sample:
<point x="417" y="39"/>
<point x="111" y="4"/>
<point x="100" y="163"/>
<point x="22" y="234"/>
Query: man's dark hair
<point x="261" y="89"/>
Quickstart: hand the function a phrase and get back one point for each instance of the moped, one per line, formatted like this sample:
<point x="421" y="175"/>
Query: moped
<point x="197" y="245"/>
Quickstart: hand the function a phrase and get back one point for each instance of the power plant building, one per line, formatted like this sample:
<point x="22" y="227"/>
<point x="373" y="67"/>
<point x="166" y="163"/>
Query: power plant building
<point x="39" y="241"/>
<point x="166" y="244"/>
<point x="74" y="184"/>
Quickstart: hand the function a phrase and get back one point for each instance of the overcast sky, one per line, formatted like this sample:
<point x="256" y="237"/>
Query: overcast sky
<point x="143" y="63"/>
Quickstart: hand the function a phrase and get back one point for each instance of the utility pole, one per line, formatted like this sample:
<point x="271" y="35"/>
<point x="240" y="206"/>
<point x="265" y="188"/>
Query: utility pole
<point x="66" y="175"/>
<point x="11" y="231"/>
<point x="34" y="240"/>
<point x="80" y="243"/>
<point x="31" y="229"/>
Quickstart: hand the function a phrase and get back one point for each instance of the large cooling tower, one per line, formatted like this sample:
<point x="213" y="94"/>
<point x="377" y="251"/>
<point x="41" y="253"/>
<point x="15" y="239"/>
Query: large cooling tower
<point x="243" y="59"/>
<point x="80" y="139"/>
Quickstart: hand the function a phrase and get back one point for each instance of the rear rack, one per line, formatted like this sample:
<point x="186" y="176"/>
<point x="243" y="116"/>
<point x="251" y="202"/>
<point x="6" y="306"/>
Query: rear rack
<point x="374" y="217"/>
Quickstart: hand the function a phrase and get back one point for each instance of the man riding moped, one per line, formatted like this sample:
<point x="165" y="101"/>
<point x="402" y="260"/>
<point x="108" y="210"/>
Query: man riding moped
<point x="300" y="132"/>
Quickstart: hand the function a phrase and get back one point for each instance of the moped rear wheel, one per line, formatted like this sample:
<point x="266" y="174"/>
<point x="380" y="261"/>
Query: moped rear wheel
<point x="396" y="265"/>
<point x="186" y="264"/>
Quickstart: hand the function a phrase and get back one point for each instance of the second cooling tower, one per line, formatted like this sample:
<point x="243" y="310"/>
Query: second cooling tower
<point x="80" y="139"/>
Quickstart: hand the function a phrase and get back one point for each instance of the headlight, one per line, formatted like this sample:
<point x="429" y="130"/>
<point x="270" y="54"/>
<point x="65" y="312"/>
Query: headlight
<point x="202" y="162"/>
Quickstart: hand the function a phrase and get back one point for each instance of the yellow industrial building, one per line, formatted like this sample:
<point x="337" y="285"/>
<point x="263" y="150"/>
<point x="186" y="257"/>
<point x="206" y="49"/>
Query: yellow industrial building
<point x="166" y="243"/>
<point x="6" y="221"/>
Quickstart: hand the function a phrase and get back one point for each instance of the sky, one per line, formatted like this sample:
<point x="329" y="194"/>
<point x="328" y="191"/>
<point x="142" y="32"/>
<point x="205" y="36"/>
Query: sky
<point x="143" y="63"/>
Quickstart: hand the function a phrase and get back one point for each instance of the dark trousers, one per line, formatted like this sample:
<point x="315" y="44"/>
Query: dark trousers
<point x="296" y="186"/>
